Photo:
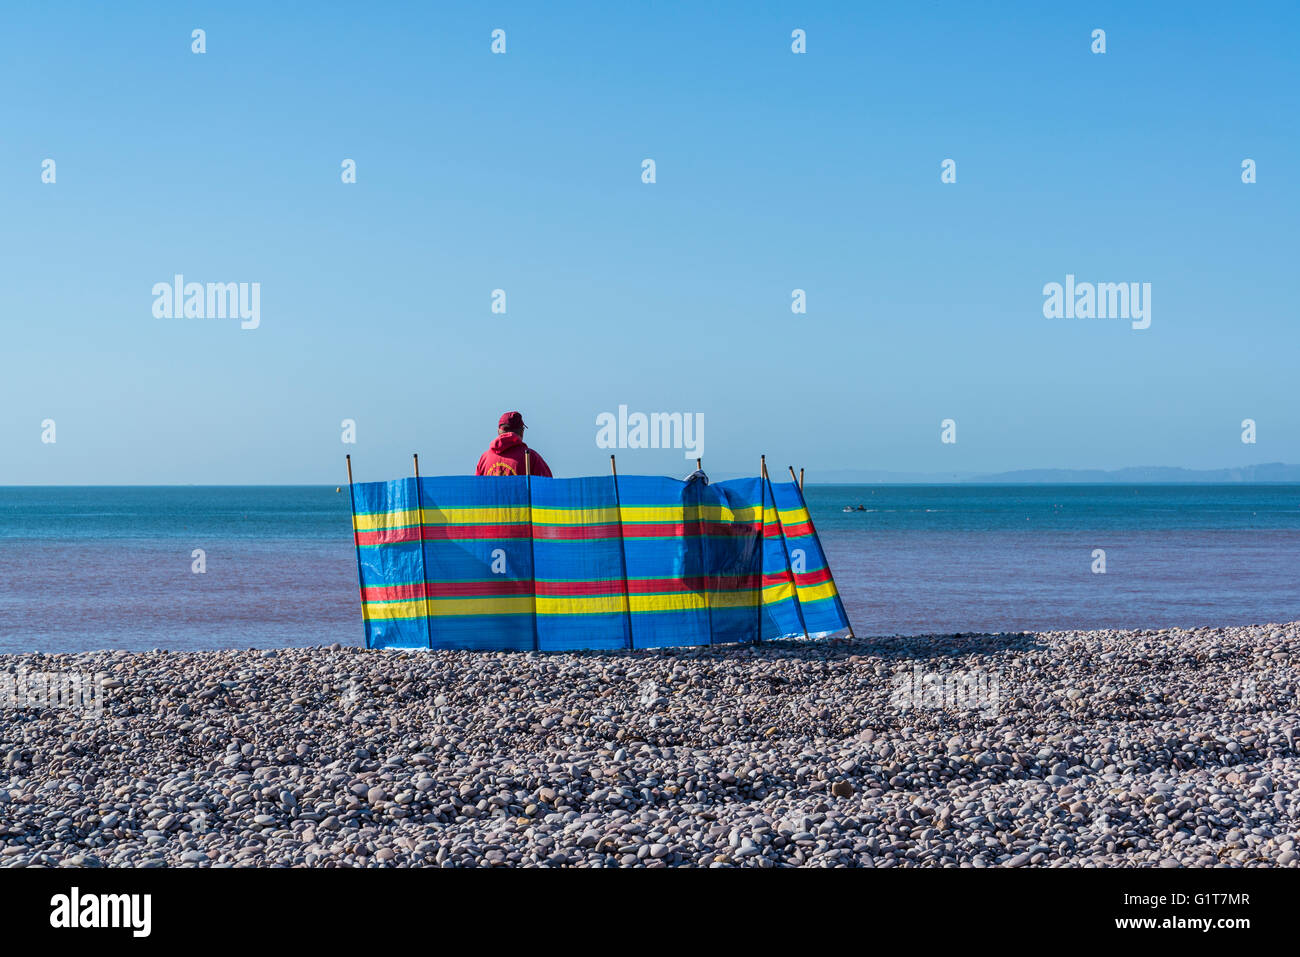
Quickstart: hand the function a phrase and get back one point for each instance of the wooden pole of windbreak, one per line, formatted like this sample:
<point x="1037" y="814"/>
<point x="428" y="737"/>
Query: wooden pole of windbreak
<point x="356" y="542"/>
<point x="829" y="574"/>
<point x="532" y="551"/>
<point x="424" y="573"/>
<point x="704" y="562"/>
<point x="762" y="543"/>
<point x="785" y="549"/>
<point x="622" y="553"/>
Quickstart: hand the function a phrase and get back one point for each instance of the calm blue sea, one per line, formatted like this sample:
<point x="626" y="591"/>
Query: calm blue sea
<point x="91" y="568"/>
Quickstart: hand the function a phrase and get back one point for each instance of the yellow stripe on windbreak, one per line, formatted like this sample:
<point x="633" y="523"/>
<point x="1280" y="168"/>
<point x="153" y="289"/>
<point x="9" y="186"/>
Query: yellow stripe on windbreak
<point x="632" y="515"/>
<point x="775" y="593"/>
<point x="575" y="516"/>
<point x="733" y="599"/>
<point x="508" y="515"/>
<point x="404" y="518"/>
<point x="681" y="601"/>
<point x="386" y="521"/>
<point x="794" y="516"/>
<point x="390" y="610"/>
<point x="438" y="607"/>
<point x="750" y="513"/>
<point x="643" y="604"/>
<point x="642" y="515"/>
<point x="589" y="605"/>
<point x="635" y="514"/>
<point x="514" y="515"/>
<point x="817" y="592"/>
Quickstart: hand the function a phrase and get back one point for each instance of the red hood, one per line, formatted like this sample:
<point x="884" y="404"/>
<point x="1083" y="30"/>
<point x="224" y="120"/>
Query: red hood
<point x="506" y="440"/>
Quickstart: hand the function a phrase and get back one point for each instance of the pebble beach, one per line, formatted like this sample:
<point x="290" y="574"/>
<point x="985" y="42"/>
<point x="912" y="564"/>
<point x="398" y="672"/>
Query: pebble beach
<point x="1065" y="749"/>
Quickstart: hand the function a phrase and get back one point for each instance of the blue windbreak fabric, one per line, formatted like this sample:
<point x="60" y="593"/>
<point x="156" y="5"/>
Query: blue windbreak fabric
<point x="580" y="583"/>
<point x="512" y="563"/>
<point x="781" y="618"/>
<point x="819" y="601"/>
<point x="392" y="575"/>
<point x="479" y="562"/>
<point x="736" y="559"/>
<point x="663" y="564"/>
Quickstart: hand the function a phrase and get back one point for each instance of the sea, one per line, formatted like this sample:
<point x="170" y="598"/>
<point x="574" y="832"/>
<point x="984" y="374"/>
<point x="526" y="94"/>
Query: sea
<point x="85" y="569"/>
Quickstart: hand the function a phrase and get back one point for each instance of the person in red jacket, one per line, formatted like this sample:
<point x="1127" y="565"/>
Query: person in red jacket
<point x="505" y="456"/>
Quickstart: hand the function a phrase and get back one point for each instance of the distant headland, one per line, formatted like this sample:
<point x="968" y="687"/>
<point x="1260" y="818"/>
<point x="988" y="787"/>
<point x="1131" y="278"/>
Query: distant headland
<point x="1267" y="473"/>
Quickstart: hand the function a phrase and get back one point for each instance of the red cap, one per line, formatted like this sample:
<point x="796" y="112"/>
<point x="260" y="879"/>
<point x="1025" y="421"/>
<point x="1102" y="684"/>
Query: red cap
<point x="511" y="422"/>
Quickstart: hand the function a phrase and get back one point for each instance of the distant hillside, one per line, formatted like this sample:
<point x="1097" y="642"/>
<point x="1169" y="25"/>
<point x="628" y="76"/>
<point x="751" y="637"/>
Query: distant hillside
<point x="881" y="477"/>
<point x="1152" y="474"/>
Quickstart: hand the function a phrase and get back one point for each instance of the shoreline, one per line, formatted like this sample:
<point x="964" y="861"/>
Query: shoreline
<point x="1075" y="748"/>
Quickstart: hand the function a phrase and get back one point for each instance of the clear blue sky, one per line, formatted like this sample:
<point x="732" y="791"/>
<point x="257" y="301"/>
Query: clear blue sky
<point x="775" y="171"/>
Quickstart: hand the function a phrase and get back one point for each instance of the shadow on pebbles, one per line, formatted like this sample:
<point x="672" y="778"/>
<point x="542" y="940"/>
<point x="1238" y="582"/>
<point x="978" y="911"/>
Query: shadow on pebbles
<point x="1100" y="748"/>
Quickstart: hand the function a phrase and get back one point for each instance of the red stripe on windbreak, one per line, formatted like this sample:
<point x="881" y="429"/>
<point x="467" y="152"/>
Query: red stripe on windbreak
<point x="686" y="529"/>
<point x="734" y="529"/>
<point x="697" y="583"/>
<point x="569" y="533"/>
<point x="800" y="530"/>
<point x="653" y="586"/>
<point x="413" y="592"/>
<point x="443" y="533"/>
<point x="440" y="533"/>
<point x="654" y="530"/>
<point x="578" y="589"/>
<point x="817" y="577"/>
<point x="738" y="582"/>
<point x="388" y="536"/>
<point x="497" y="588"/>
